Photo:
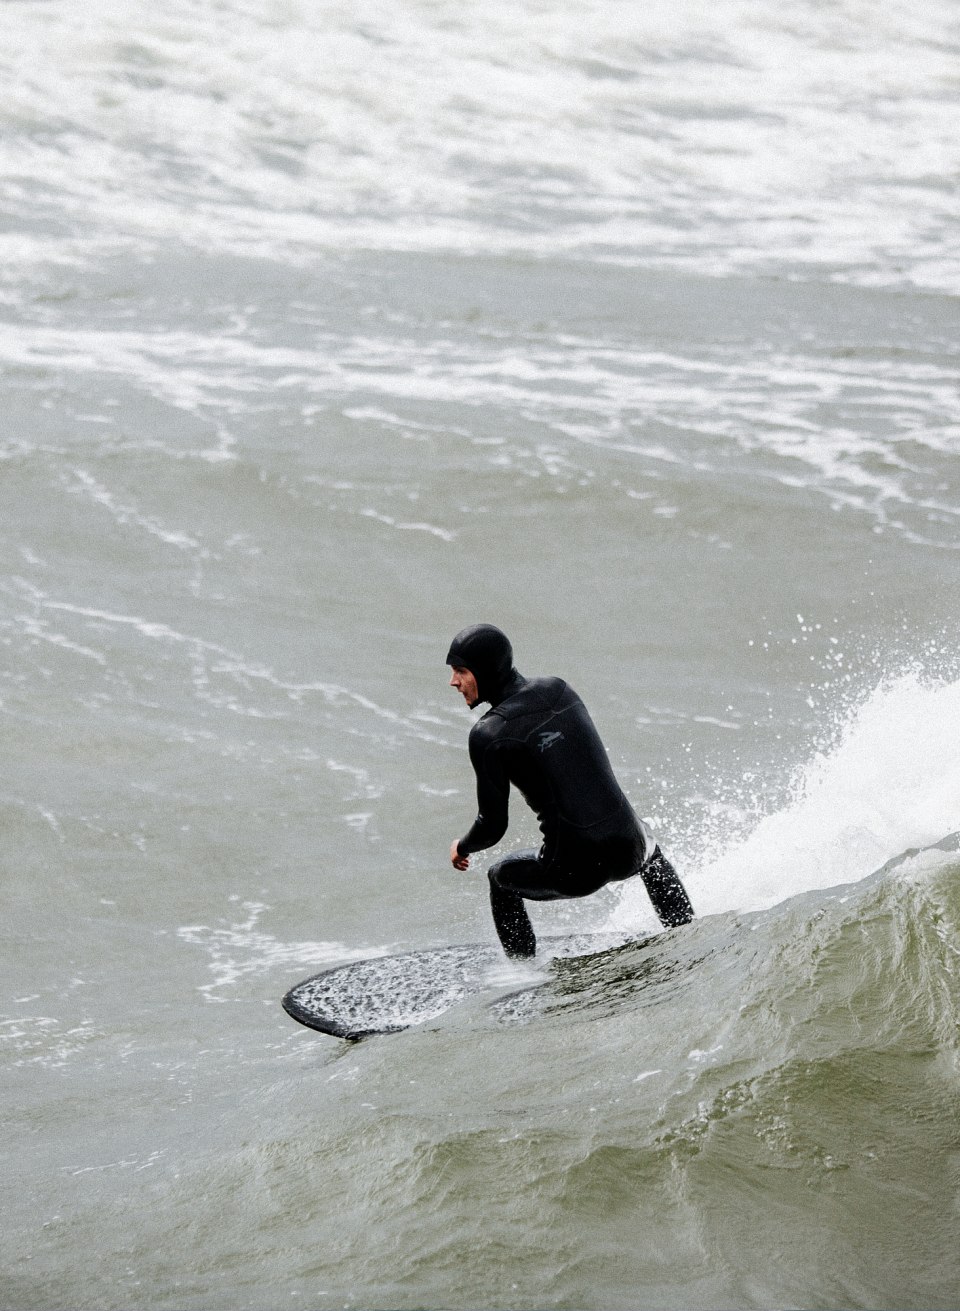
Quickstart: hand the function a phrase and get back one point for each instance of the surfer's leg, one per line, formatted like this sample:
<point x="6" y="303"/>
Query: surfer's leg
<point x="512" y="922"/>
<point x="511" y="879"/>
<point x="667" y="893"/>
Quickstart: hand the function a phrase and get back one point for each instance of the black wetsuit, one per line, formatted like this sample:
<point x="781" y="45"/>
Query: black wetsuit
<point x="539" y="737"/>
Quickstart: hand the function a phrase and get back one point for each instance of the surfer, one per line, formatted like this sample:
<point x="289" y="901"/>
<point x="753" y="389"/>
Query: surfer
<point x="538" y="736"/>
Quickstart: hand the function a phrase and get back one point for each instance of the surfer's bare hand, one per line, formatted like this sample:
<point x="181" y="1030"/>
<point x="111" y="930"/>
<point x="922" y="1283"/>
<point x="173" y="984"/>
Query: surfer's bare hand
<point x="458" y="861"/>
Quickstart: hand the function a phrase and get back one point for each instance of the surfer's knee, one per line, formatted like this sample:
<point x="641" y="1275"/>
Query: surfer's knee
<point x="513" y="872"/>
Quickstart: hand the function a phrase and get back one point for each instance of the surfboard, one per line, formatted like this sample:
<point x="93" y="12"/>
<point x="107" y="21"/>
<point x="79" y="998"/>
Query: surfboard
<point x="386" y="994"/>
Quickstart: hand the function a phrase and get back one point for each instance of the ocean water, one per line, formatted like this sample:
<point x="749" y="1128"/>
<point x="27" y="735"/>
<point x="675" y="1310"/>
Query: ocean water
<point x="325" y="330"/>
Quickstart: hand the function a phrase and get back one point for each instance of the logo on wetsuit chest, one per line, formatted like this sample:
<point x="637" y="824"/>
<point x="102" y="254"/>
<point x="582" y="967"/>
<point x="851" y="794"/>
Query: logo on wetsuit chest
<point x="548" y="739"/>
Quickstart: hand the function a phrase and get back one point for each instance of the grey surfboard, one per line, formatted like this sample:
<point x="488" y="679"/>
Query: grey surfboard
<point x="386" y="994"/>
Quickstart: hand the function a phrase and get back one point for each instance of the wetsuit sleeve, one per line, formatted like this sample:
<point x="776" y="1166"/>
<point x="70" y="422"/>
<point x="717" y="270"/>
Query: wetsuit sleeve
<point x="493" y="794"/>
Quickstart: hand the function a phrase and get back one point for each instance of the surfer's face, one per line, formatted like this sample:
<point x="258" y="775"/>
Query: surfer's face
<point x="466" y="685"/>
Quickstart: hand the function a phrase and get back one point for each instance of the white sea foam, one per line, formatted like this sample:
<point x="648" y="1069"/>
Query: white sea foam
<point x="705" y="135"/>
<point x="892" y="782"/>
<point x="241" y="951"/>
<point x="868" y="435"/>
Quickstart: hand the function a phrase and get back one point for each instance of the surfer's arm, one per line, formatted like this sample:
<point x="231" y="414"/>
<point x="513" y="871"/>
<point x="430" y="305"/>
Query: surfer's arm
<point x="493" y="796"/>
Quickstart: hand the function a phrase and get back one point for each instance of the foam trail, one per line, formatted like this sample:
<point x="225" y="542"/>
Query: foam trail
<point x="241" y="951"/>
<point x="891" y="782"/>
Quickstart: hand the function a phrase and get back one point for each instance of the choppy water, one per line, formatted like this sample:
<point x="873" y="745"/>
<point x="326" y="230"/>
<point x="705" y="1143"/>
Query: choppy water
<point x="325" y="330"/>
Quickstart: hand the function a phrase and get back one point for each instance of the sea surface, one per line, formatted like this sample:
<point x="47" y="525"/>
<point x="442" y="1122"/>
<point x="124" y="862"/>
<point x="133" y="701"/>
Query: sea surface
<point x="326" y="329"/>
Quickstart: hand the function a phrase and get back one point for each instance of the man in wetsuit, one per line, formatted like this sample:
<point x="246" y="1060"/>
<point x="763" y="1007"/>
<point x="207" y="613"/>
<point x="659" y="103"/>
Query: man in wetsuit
<point x="538" y="736"/>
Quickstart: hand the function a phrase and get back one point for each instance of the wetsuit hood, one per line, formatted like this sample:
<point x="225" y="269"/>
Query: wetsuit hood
<point x="487" y="653"/>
